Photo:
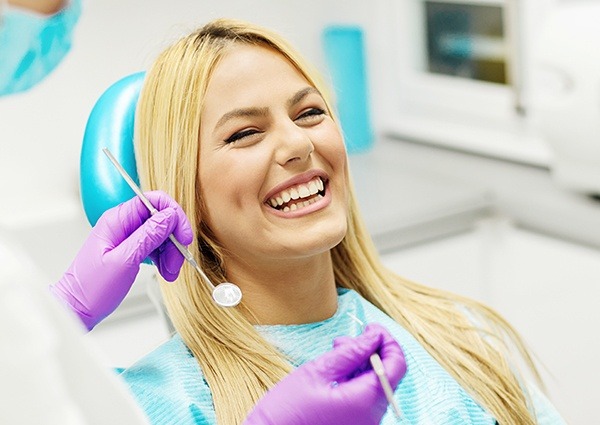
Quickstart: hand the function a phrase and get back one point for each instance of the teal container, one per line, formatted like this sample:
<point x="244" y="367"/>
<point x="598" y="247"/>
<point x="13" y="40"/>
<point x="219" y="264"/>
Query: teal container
<point x="345" y="57"/>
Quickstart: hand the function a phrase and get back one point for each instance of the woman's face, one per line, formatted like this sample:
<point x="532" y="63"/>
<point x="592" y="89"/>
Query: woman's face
<point x="273" y="168"/>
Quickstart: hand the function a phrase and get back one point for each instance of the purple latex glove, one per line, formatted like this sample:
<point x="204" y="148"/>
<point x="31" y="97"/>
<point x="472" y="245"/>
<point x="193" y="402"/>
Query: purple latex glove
<point x="109" y="260"/>
<point x="339" y="387"/>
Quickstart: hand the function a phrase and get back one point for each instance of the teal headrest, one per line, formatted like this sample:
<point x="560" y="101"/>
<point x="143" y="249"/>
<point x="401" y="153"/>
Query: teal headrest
<point x="110" y="125"/>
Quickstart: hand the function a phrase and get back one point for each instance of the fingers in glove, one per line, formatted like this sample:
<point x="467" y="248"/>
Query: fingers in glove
<point x="342" y="340"/>
<point x="345" y="341"/>
<point x="183" y="230"/>
<point x="147" y="237"/>
<point x="118" y="223"/>
<point x="392" y="356"/>
<point x="348" y="357"/>
<point x="168" y="260"/>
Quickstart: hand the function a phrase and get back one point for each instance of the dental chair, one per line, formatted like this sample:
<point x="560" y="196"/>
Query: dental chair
<point x="111" y="125"/>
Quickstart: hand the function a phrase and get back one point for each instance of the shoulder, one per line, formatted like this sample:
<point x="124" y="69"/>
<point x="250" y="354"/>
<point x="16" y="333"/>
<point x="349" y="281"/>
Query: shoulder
<point x="168" y="383"/>
<point x="168" y="365"/>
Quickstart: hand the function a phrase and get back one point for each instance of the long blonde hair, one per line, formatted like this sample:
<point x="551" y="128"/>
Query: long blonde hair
<point x="235" y="359"/>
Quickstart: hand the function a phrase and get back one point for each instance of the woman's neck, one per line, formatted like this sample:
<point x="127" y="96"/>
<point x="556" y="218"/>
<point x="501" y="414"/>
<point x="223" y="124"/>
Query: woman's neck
<point x="292" y="292"/>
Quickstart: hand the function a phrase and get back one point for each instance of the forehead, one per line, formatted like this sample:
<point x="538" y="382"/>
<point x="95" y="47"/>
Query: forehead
<point x="248" y="74"/>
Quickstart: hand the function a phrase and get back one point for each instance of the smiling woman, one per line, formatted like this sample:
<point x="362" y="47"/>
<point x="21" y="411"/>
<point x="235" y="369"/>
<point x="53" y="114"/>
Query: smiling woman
<point x="291" y="141"/>
<point x="236" y="127"/>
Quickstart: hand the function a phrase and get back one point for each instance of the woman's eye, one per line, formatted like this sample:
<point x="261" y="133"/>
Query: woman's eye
<point x="240" y="135"/>
<point x="311" y="114"/>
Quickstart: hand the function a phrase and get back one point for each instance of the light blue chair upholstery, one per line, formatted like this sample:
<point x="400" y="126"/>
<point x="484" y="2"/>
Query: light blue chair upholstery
<point x="110" y="125"/>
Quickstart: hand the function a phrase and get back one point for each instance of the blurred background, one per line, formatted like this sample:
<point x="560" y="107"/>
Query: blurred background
<point x="474" y="136"/>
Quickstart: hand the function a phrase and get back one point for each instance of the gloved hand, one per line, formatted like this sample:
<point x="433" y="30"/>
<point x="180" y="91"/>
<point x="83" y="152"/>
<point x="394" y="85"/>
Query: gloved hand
<point x="109" y="261"/>
<point x="339" y="387"/>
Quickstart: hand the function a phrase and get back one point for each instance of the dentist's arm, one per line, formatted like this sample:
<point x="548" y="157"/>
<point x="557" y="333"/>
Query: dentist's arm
<point x="109" y="261"/>
<point x="338" y="387"/>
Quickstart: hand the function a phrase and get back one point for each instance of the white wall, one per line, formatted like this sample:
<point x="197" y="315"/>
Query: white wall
<point x="41" y="130"/>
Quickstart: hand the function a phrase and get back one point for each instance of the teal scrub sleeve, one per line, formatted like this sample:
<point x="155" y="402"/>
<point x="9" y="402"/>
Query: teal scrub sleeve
<point x="32" y="45"/>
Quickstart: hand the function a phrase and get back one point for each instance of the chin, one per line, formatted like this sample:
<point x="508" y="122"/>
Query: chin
<point x="306" y="243"/>
<point x="326" y="239"/>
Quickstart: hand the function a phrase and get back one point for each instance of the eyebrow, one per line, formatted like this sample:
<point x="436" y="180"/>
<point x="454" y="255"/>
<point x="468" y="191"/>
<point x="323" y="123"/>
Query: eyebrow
<point x="301" y="94"/>
<point x="261" y="112"/>
<point x="242" y="112"/>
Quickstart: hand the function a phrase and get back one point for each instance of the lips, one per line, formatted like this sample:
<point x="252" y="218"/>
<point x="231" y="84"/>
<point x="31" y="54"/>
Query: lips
<point x="298" y="196"/>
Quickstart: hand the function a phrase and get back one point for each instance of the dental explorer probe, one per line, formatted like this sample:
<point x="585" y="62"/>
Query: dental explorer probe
<point x="225" y="294"/>
<point x="377" y="365"/>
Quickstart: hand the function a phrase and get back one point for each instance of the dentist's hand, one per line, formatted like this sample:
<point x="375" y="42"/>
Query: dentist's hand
<point x="109" y="261"/>
<point x="339" y="387"/>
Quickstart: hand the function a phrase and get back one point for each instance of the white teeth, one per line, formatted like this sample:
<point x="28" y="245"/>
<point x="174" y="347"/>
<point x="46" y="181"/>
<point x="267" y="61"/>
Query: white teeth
<point x="294" y="193"/>
<point x="303" y="191"/>
<point x="300" y="191"/>
<point x="298" y="205"/>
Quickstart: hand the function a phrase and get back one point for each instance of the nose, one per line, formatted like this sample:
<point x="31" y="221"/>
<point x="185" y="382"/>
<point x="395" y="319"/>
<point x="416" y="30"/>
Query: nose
<point x="293" y="144"/>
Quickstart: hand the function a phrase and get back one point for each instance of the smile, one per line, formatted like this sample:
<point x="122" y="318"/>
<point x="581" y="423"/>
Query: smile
<point x="299" y="196"/>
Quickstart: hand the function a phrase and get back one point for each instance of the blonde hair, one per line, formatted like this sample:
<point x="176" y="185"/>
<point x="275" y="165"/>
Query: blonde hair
<point x="233" y="356"/>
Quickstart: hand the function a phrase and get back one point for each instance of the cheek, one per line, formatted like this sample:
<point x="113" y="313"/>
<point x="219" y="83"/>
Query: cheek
<point x="330" y="145"/>
<point x="333" y="150"/>
<point x="235" y="183"/>
<point x="221" y="208"/>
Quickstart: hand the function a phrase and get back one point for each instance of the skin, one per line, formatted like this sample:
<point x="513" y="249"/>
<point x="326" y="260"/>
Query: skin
<point x="281" y="261"/>
<point x="44" y="7"/>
